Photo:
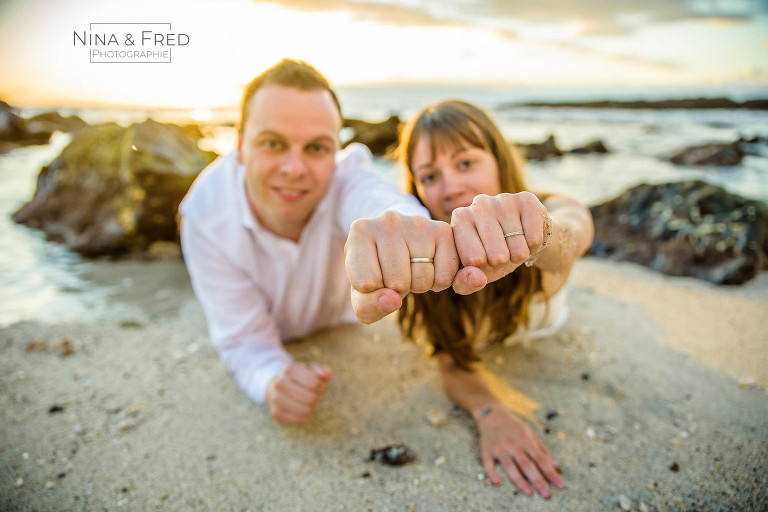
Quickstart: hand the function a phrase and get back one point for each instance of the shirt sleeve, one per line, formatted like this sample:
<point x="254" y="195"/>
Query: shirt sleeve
<point x="241" y="327"/>
<point x="364" y="194"/>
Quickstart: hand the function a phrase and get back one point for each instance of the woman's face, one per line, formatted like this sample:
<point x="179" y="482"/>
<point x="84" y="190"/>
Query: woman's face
<point x="453" y="176"/>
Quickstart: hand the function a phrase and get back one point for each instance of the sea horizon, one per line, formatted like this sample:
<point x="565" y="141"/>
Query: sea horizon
<point x="374" y="102"/>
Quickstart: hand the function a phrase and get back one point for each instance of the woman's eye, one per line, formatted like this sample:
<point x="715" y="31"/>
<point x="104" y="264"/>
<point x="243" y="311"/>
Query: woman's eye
<point x="465" y="164"/>
<point x="426" y="179"/>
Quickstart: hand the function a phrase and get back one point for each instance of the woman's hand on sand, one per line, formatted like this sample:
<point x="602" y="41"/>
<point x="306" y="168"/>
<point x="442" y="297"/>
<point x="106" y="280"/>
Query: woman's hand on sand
<point x="294" y="393"/>
<point x="507" y="440"/>
<point x="479" y="230"/>
<point x="378" y="256"/>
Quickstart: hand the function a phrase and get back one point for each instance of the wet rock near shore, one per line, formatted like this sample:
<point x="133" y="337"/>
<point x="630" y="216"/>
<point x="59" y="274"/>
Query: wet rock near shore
<point x="689" y="228"/>
<point x="721" y="154"/>
<point x="549" y="149"/>
<point x="16" y="131"/>
<point x="380" y="138"/>
<point x="114" y="191"/>
<point x="541" y="150"/>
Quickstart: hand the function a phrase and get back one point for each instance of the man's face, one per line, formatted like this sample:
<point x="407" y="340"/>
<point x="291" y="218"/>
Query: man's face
<point x="288" y="145"/>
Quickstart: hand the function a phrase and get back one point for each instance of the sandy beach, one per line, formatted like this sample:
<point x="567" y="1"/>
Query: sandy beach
<point x="653" y="397"/>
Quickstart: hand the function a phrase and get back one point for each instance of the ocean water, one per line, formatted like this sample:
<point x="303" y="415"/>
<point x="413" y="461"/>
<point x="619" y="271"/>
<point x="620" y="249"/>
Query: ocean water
<point x="42" y="280"/>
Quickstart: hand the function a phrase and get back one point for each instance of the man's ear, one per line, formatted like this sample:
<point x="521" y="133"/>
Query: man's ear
<point x="239" y="147"/>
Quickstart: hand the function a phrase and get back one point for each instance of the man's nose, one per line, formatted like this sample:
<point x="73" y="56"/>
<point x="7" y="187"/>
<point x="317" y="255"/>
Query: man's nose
<point x="293" y="165"/>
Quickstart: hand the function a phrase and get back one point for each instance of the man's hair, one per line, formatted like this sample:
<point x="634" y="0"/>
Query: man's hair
<point x="288" y="73"/>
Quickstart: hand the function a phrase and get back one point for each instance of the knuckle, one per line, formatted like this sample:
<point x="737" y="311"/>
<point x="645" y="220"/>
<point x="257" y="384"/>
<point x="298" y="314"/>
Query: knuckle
<point x="461" y="214"/>
<point x="518" y="255"/>
<point x="535" y="239"/>
<point x="482" y="200"/>
<point x="367" y="285"/>
<point x="496" y="259"/>
<point x="443" y="279"/>
<point x="474" y="259"/>
<point x="359" y="227"/>
<point x="389" y="220"/>
<point x="397" y="284"/>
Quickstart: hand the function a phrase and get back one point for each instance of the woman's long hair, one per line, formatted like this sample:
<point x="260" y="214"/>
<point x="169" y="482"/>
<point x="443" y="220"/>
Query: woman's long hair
<point x="447" y="321"/>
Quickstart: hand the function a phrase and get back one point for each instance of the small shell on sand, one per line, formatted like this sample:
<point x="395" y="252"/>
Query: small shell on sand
<point x="393" y="455"/>
<point x="437" y="418"/>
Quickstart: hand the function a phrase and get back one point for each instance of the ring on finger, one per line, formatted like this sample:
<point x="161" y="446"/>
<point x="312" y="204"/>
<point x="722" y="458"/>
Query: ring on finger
<point x="422" y="260"/>
<point x="513" y="233"/>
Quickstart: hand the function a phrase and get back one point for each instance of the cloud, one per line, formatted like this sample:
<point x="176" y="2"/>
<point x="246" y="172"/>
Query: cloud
<point x="595" y="17"/>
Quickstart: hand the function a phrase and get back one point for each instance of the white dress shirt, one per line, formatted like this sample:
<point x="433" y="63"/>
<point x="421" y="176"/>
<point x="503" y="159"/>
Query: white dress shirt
<point x="258" y="289"/>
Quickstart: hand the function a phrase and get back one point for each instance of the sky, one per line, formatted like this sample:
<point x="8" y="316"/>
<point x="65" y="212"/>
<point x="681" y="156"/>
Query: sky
<point x="564" y="43"/>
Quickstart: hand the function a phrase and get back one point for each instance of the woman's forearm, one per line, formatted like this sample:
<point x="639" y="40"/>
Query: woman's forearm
<point x="572" y="233"/>
<point x="469" y="389"/>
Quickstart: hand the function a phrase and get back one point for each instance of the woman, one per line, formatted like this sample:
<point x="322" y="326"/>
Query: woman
<point x="457" y="163"/>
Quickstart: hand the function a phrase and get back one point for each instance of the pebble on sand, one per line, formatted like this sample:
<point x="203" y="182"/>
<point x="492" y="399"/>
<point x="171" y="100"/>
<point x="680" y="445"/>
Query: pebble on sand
<point x="437" y="418"/>
<point x="624" y="503"/>
<point x="746" y="382"/>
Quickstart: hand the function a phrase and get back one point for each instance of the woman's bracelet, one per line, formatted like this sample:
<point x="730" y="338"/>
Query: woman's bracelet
<point x="547" y="237"/>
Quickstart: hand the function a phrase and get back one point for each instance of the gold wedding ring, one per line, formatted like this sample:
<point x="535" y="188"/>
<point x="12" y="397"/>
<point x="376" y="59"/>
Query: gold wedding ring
<point x="513" y="233"/>
<point x="422" y="260"/>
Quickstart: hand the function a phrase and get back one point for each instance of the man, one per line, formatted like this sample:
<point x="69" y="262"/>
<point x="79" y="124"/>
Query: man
<point x="263" y="233"/>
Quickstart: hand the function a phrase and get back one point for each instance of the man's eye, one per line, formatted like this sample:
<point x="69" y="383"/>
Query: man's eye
<point x="318" y="149"/>
<point x="271" y="144"/>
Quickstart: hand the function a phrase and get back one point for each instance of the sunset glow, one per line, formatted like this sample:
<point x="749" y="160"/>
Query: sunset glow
<point x="629" y="44"/>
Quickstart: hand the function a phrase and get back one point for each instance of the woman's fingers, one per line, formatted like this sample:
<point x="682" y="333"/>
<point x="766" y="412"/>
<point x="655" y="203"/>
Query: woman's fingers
<point x="489" y="465"/>
<point x="546" y="463"/>
<point x="508" y="463"/>
<point x="533" y="475"/>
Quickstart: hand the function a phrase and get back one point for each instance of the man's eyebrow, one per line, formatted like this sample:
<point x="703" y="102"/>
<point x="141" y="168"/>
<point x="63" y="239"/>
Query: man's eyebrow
<point x="323" y="138"/>
<point x="270" y="133"/>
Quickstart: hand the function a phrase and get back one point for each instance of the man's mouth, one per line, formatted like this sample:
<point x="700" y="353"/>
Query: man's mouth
<point x="290" y="194"/>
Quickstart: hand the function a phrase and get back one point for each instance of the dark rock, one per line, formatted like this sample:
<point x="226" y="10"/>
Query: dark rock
<point x="541" y="151"/>
<point x="686" y="103"/>
<point x="756" y="146"/>
<point x="49" y="122"/>
<point x="114" y="191"/>
<point x="13" y="130"/>
<point x="394" y="455"/>
<point x="11" y="125"/>
<point x="689" y="228"/>
<point x="380" y="138"/>
<point x="721" y="155"/>
<point x="192" y="131"/>
<point x="596" y="146"/>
